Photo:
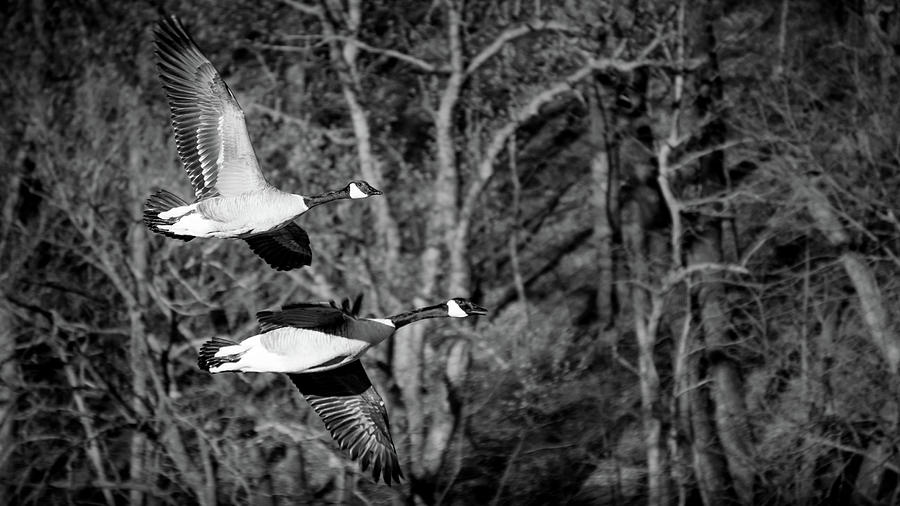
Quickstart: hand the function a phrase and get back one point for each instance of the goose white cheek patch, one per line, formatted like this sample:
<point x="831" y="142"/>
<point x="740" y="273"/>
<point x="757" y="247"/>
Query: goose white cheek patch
<point x="454" y="310"/>
<point x="356" y="193"/>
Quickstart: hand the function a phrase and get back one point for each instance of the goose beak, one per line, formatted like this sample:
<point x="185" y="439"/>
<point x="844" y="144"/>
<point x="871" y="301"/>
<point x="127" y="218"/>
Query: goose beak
<point x="476" y="310"/>
<point x="376" y="192"/>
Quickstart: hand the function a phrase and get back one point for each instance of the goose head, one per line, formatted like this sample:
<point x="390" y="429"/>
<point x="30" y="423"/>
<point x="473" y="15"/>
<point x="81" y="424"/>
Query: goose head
<point x="460" y="308"/>
<point x="361" y="189"/>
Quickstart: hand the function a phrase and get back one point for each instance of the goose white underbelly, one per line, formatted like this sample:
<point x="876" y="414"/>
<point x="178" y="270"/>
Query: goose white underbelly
<point x="196" y="225"/>
<point x="235" y="216"/>
<point x="291" y="350"/>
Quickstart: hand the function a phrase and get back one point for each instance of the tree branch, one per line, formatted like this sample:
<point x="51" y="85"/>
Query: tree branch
<point x="533" y="107"/>
<point x="856" y="451"/>
<point x="331" y="134"/>
<point x="679" y="275"/>
<point x="512" y="34"/>
<point x="312" y="10"/>
<point x="392" y="53"/>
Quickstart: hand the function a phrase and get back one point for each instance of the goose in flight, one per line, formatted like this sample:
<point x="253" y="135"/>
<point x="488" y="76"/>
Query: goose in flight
<point x="232" y="197"/>
<point x="319" y="346"/>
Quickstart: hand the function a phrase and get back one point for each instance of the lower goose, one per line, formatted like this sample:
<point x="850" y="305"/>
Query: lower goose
<point x="319" y="345"/>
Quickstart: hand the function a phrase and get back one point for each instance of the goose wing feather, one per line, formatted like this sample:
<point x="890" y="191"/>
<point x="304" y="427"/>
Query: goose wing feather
<point x="283" y="249"/>
<point x="210" y="132"/>
<point x="355" y="416"/>
<point x="304" y="315"/>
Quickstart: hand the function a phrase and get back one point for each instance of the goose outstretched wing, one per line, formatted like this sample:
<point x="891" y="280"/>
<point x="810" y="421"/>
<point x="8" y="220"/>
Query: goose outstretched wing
<point x="355" y="416"/>
<point x="210" y="132"/>
<point x="283" y="249"/>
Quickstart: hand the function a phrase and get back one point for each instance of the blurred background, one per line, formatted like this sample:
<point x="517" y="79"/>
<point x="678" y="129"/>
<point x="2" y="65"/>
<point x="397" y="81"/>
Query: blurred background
<point x="681" y="215"/>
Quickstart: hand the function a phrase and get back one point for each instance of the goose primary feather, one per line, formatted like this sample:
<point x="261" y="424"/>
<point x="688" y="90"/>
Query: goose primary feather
<point x="319" y="345"/>
<point x="232" y="197"/>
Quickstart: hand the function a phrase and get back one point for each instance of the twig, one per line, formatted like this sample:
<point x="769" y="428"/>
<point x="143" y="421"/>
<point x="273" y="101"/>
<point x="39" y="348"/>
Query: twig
<point x="506" y="470"/>
<point x="392" y="53"/>
<point x="312" y="10"/>
<point x="695" y="386"/>
<point x="623" y="361"/>
<point x="840" y="446"/>
<point x="679" y="275"/>
<point x="511" y="34"/>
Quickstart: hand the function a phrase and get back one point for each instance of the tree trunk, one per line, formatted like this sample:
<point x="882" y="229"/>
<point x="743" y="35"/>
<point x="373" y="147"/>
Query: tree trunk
<point x="871" y="303"/>
<point x="647" y="311"/>
<point x="727" y="386"/>
<point x="734" y="482"/>
<point x="407" y="364"/>
<point x="12" y="255"/>
<point x="710" y="464"/>
<point x="8" y="378"/>
<point x="821" y="364"/>
<point x="343" y="58"/>
<point x="431" y="429"/>
<point x="872" y="307"/>
<point x="601" y="181"/>
<point x="139" y="354"/>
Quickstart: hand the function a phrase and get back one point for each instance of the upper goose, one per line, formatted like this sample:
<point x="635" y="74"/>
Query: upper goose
<point x="319" y="345"/>
<point x="233" y="199"/>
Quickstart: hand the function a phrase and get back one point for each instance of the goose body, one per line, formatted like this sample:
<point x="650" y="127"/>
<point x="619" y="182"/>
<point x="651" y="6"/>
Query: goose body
<point x="226" y="217"/>
<point x="319" y="346"/>
<point x="232" y="197"/>
<point x="301" y="338"/>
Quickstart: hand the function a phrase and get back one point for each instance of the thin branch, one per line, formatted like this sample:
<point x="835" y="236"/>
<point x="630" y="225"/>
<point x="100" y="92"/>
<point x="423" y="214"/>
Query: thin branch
<point x="695" y="386"/>
<point x="305" y="125"/>
<point x="281" y="47"/>
<point x="392" y="53"/>
<point x="624" y="361"/>
<point x="665" y="149"/>
<point x="688" y="161"/>
<point x="508" y="468"/>
<point x="778" y="71"/>
<point x="92" y="448"/>
<point x="679" y="275"/>
<point x="108" y="485"/>
<point x="515" y="33"/>
<point x="312" y="10"/>
<point x="856" y="451"/>
<point x="550" y="448"/>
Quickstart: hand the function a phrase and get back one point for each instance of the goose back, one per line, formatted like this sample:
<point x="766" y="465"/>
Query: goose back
<point x="327" y="318"/>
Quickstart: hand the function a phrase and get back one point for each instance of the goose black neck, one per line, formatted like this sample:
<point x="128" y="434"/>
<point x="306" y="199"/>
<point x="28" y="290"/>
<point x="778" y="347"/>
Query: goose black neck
<point x="326" y="197"/>
<point x="422" y="313"/>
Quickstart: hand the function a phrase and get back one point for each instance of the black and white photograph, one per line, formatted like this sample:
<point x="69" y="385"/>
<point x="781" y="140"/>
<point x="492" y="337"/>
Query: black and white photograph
<point x="450" y="253"/>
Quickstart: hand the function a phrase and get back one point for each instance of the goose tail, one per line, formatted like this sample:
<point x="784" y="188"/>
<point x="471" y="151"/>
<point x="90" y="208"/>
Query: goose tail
<point x="160" y="202"/>
<point x="208" y="359"/>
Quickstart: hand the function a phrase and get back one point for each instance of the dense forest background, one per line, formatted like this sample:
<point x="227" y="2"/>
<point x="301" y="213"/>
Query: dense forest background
<point x="682" y="215"/>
